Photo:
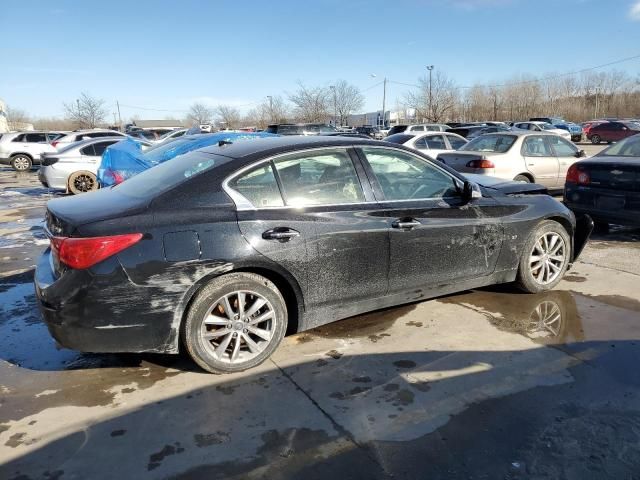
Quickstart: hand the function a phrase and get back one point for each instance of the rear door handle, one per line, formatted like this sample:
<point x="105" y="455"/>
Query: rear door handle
<point x="283" y="234"/>
<point x="406" y="224"/>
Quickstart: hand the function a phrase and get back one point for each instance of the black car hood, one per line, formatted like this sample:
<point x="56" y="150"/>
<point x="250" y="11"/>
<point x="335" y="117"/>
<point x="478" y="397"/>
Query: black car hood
<point x="508" y="187"/>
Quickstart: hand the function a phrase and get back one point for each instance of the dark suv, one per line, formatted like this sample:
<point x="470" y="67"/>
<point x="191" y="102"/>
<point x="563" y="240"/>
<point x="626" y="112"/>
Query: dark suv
<point x="371" y="131"/>
<point x="300" y="129"/>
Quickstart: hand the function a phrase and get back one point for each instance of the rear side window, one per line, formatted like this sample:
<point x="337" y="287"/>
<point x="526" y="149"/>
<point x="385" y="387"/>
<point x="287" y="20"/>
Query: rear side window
<point x="88" y="150"/>
<point x="259" y="186"/>
<point x="19" y="138"/>
<point x="99" y="148"/>
<point x="320" y="177"/>
<point x="36" y="137"/>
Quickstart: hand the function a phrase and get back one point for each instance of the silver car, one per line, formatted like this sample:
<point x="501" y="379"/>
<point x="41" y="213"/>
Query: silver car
<point x="22" y="150"/>
<point x="539" y="157"/>
<point x="79" y="135"/>
<point x="74" y="168"/>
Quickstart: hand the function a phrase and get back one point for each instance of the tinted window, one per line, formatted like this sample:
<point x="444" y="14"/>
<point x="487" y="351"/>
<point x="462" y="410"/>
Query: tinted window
<point x="535" y="146"/>
<point x="290" y="130"/>
<point x="629" y="147"/>
<point x="405" y="177"/>
<point x="51" y="136"/>
<point x="36" y="137"/>
<point x="19" y="138"/>
<point x="397" y="129"/>
<point x="259" y="186"/>
<point x="319" y="178"/>
<point x="398" y="138"/>
<point x="417" y="129"/>
<point x="456" y="142"/>
<point x="168" y="175"/>
<point x="101" y="147"/>
<point x="490" y="143"/>
<point x="88" y="150"/>
<point x="562" y="147"/>
<point x="431" y="141"/>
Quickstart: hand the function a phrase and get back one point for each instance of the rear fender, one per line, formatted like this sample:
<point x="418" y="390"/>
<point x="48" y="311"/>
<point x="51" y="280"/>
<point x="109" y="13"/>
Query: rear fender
<point x="584" y="227"/>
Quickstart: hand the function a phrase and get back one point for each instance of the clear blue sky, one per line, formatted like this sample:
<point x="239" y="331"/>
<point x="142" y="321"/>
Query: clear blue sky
<point x="166" y="55"/>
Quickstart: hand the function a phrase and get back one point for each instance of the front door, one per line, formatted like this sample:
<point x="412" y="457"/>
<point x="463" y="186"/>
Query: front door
<point x="313" y="216"/>
<point x="566" y="153"/>
<point x="540" y="160"/>
<point x="435" y="239"/>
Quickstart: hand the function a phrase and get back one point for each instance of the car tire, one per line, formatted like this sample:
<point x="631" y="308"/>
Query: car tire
<point x="205" y="328"/>
<point x="522" y="178"/>
<point x="544" y="260"/>
<point x="595" y="139"/>
<point x="21" y="163"/>
<point x="82" y="182"/>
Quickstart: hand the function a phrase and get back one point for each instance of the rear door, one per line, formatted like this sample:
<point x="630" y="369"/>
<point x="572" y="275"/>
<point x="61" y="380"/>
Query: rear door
<point x="435" y="239"/>
<point x="311" y="214"/>
<point x="33" y="143"/>
<point x="540" y="160"/>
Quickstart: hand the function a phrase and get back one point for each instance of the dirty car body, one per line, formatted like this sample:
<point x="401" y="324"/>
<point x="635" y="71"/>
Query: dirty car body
<point x="334" y="223"/>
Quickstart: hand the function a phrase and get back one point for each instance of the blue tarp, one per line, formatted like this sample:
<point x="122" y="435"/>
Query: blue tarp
<point x="125" y="159"/>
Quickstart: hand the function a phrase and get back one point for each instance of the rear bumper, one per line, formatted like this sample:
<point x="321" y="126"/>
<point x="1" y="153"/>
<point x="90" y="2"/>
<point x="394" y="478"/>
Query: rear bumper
<point x="584" y="201"/>
<point x="103" y="311"/>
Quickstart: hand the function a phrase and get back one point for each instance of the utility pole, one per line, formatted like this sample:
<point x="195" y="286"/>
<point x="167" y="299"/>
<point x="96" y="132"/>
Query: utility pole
<point x="384" y="99"/>
<point x="430" y="68"/>
<point x="270" y="107"/>
<point x="119" y="117"/>
<point x="335" y="105"/>
<point x="595" y="113"/>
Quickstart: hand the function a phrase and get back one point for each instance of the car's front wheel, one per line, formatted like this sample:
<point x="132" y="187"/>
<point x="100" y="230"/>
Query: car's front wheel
<point x="545" y="258"/>
<point x="235" y="322"/>
<point x="21" y="163"/>
<point x="595" y="139"/>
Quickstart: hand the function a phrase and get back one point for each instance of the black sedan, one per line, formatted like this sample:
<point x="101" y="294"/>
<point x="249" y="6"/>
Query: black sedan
<point x="225" y="249"/>
<point x="607" y="185"/>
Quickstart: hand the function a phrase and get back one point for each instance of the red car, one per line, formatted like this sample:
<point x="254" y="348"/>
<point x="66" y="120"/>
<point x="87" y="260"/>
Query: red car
<point x="587" y="126"/>
<point x="612" y="131"/>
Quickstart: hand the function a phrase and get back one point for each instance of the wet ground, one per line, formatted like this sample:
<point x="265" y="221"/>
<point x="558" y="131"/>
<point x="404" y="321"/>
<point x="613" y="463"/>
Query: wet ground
<point x="484" y="384"/>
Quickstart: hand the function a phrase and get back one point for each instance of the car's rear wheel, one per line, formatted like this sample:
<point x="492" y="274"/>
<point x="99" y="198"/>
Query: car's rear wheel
<point x="82" y="182"/>
<point x="522" y="178"/>
<point x="545" y="258"/>
<point x="595" y="139"/>
<point x="21" y="163"/>
<point x="234" y="323"/>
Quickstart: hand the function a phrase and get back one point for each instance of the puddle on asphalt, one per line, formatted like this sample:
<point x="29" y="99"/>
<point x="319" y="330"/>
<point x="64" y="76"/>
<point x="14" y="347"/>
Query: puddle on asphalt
<point x="557" y="316"/>
<point x="372" y="326"/>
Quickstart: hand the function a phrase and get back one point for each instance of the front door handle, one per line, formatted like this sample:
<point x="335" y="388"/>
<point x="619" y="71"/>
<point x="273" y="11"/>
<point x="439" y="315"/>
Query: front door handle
<point x="405" y="224"/>
<point x="283" y="234"/>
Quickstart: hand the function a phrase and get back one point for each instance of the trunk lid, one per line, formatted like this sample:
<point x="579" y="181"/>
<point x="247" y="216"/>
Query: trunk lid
<point x="459" y="160"/>
<point x="618" y="174"/>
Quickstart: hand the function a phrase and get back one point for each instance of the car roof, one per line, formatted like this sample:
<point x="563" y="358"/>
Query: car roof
<point x="520" y="133"/>
<point x="82" y="143"/>
<point x="286" y="143"/>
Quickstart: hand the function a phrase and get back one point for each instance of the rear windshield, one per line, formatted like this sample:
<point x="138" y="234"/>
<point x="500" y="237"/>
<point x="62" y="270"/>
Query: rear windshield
<point x="629" y="147"/>
<point x="397" y="129"/>
<point x="398" y="138"/>
<point x="490" y="143"/>
<point x="168" y="175"/>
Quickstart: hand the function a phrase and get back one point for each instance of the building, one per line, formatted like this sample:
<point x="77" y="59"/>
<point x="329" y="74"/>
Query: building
<point x="4" y="126"/>
<point x="158" y="123"/>
<point x="375" y="118"/>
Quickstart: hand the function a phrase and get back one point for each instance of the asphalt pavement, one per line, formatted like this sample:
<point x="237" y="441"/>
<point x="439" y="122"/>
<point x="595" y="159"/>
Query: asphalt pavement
<point x="483" y="384"/>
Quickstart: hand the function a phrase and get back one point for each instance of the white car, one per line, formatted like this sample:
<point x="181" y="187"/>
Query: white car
<point x="74" y="168"/>
<point x="532" y="157"/>
<point x="542" y="127"/>
<point x="22" y="150"/>
<point x="431" y="143"/>
<point x="79" y="135"/>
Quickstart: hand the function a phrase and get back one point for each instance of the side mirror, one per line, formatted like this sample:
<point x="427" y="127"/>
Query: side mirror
<point x="471" y="191"/>
<point x="581" y="154"/>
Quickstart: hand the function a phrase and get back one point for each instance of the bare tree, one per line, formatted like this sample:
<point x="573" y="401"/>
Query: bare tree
<point x="229" y="116"/>
<point x="347" y="99"/>
<point x="310" y="104"/>
<point x="86" y="111"/>
<point x="16" y="117"/>
<point x="433" y="102"/>
<point x="200" y="114"/>
<point x="274" y="110"/>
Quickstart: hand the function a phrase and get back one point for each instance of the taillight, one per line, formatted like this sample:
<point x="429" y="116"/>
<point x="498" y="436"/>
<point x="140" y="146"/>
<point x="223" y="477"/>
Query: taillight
<point x="82" y="253"/>
<point x="578" y="176"/>
<point x="481" y="164"/>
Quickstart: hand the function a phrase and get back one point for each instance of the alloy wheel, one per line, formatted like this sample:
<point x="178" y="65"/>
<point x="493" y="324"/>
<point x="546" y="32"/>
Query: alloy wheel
<point x="21" y="163"/>
<point x="84" y="183"/>
<point x="238" y="327"/>
<point x="547" y="258"/>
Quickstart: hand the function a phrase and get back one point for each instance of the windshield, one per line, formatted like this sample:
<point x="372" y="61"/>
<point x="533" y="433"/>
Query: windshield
<point x="490" y="143"/>
<point x="629" y="147"/>
<point x="167" y="175"/>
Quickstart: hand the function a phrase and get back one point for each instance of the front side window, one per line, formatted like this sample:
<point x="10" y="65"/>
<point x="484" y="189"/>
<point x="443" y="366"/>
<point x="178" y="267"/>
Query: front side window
<point x="404" y="177"/>
<point x="562" y="147"/>
<point x="535" y="146"/>
<point x="259" y="186"/>
<point x="456" y="142"/>
<point x="321" y="177"/>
